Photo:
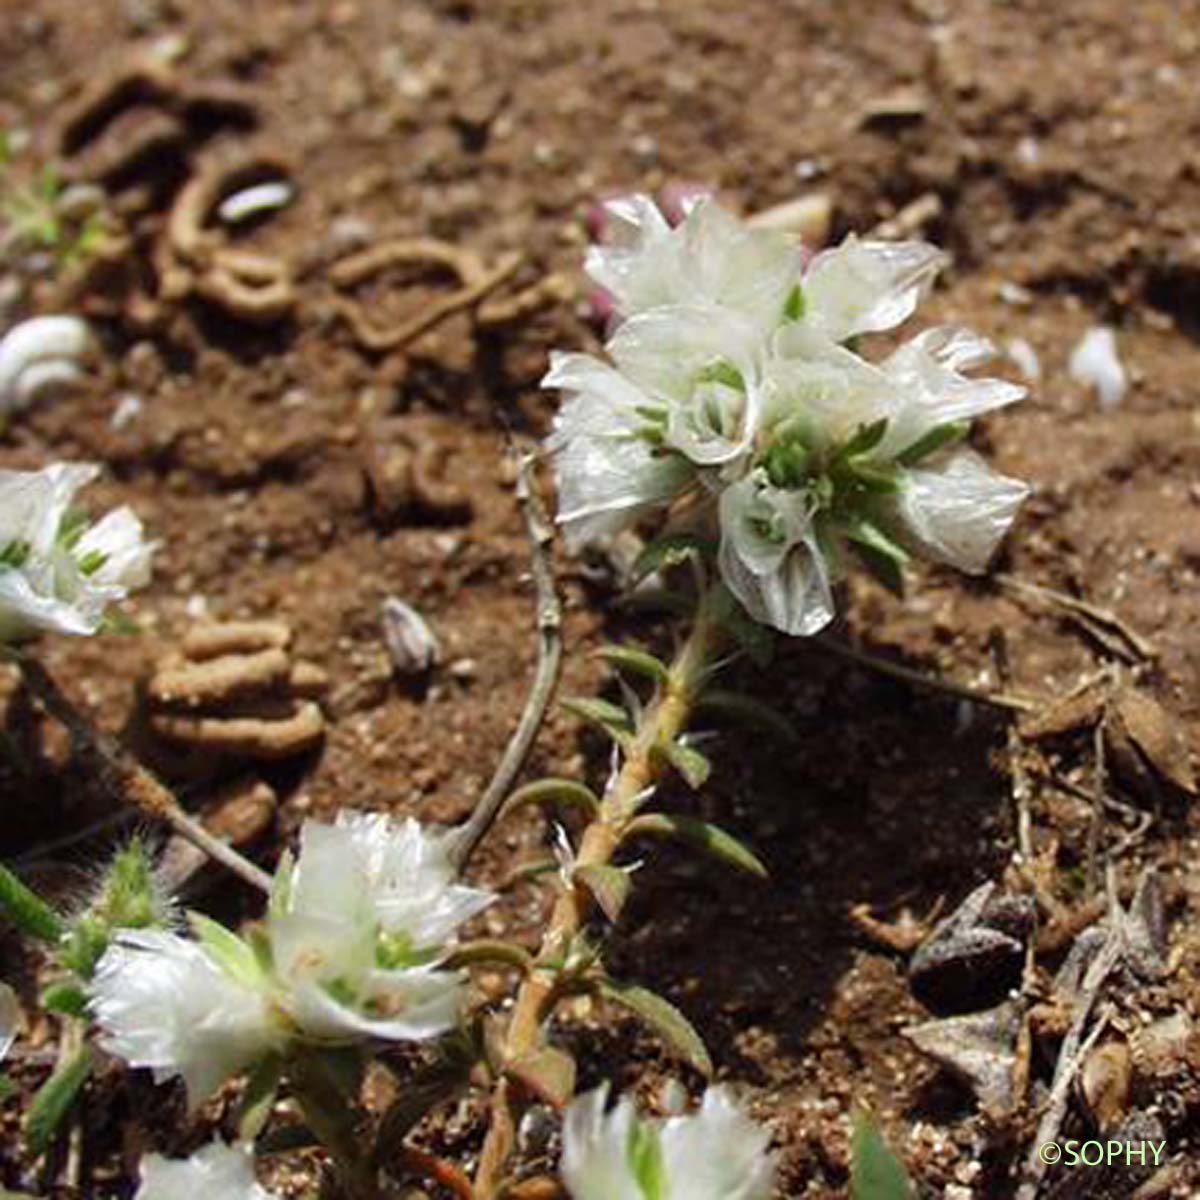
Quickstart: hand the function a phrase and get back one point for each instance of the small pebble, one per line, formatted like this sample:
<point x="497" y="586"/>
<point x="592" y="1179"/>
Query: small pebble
<point x="411" y="644"/>
<point x="252" y="201"/>
<point x="1094" y="363"/>
<point x="1026" y="359"/>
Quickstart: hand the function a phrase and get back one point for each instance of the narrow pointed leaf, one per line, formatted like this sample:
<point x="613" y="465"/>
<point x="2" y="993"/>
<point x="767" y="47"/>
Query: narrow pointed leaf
<point x="698" y="833"/>
<point x="534" y="868"/>
<point x="27" y="910"/>
<point x="554" y="791"/>
<point x="875" y="1171"/>
<point x="609" y="717"/>
<point x="54" y="1099"/>
<point x="609" y="887"/>
<point x="747" y="711"/>
<point x="669" y="551"/>
<point x="663" y="1017"/>
<point x="489" y="950"/>
<point x="549" y="1073"/>
<point x="259" y="1098"/>
<point x="688" y="761"/>
<point x="637" y="662"/>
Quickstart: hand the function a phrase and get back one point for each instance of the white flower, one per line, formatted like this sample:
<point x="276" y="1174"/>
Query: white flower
<point x="710" y="258"/>
<point x="165" y="1002"/>
<point x="866" y="287"/>
<point x="357" y="929"/>
<point x="215" y="1172"/>
<point x="57" y="573"/>
<point x="715" y="1154"/>
<point x="769" y="556"/>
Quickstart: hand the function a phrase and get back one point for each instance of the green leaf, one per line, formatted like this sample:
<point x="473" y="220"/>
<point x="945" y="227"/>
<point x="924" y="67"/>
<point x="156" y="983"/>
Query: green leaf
<point x="933" y="440"/>
<point x="875" y="1171"/>
<point x="864" y="439"/>
<point x="490" y="950"/>
<point x="259" y="1097"/>
<point x="67" y="999"/>
<point x="669" y="551"/>
<point x="27" y="910"/>
<point x="229" y="950"/>
<point x="549" y="1073"/>
<point x="687" y="760"/>
<point x="662" y="1017"/>
<point x="609" y="717"/>
<point x="554" y="791"/>
<point x="637" y="662"/>
<point x="54" y="1099"/>
<point x="608" y="885"/>
<point x="701" y="834"/>
<point x="748" y="711"/>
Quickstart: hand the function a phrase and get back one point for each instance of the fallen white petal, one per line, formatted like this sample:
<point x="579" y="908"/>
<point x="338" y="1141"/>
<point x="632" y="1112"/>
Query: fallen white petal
<point x="1094" y="363"/>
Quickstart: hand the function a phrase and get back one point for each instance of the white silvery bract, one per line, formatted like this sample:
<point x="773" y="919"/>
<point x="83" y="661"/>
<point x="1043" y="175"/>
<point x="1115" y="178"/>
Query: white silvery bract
<point x="737" y="394"/>
<point x="358" y="926"/>
<point x="10" y="1017"/>
<point x="39" y="356"/>
<point x="168" y="1003"/>
<point x="58" y="573"/>
<point x="717" y="1153"/>
<point x="215" y="1172"/>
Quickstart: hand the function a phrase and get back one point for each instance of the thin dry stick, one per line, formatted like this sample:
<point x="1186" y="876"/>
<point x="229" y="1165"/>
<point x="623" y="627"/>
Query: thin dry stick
<point x="549" y="633"/>
<point x="1075" y="1047"/>
<point x="964" y="691"/>
<point x="127" y="779"/>
<point x="663" y="721"/>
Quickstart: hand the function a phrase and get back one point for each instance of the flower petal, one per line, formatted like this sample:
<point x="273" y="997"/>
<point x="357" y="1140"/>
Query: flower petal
<point x="595" y="1158"/>
<point x="716" y="1154"/>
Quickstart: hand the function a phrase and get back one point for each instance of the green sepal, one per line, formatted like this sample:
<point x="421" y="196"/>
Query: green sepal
<point x="669" y="551"/>
<point x="795" y="305"/>
<point x="66" y="999"/>
<point x="554" y="791"/>
<point x="231" y="953"/>
<point x="748" y="711"/>
<point x="663" y="1018"/>
<point x="489" y="950"/>
<point x="875" y="1171"/>
<point x="933" y="440"/>
<point x="609" y="886"/>
<point x="637" y="662"/>
<point x="883" y="557"/>
<point x="254" y="1109"/>
<point x="548" y="1073"/>
<point x="687" y="760"/>
<point x="864" y="439"/>
<point x="27" y="910"/>
<point x="606" y="716"/>
<point x="709" y="838"/>
<point x="54" y="1099"/>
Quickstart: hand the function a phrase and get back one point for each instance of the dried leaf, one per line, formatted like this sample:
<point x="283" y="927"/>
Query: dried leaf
<point x="548" y="1073"/>
<point x="1135" y="720"/>
<point x="1104" y="1084"/>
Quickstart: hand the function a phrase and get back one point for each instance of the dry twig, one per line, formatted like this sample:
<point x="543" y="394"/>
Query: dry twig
<point x="549" y="629"/>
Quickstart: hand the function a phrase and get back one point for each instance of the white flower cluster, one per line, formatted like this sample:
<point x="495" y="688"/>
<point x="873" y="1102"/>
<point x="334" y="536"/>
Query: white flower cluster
<point x="351" y="948"/>
<point x="717" y="1153"/>
<point x="58" y="572"/>
<point x="736" y="390"/>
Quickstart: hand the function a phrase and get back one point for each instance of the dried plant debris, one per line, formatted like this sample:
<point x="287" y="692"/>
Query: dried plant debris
<point x="235" y="692"/>
<point x="411" y="644"/>
<point x="980" y="1048"/>
<point x="974" y="956"/>
<point x="1147" y="746"/>
<point x="1104" y="1084"/>
<point x="405" y="466"/>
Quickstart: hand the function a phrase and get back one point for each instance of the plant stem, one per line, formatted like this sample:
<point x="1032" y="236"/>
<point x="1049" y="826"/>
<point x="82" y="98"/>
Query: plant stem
<point x="332" y="1116"/>
<point x="661" y="723"/>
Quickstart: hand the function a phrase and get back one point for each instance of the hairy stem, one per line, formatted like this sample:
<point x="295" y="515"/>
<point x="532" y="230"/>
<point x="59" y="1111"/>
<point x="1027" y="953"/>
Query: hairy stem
<point x="661" y="723"/>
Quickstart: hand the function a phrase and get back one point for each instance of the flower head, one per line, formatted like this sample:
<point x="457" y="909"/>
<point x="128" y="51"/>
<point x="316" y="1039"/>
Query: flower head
<point x="737" y="392"/>
<point x="215" y="1172"/>
<point x="58" y="572"/>
<point x="716" y="1153"/>
<point x="168" y="1003"/>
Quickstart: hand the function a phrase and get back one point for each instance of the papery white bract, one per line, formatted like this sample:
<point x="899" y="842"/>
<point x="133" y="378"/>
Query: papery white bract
<point x="10" y="1016"/>
<point x="739" y="399"/>
<point x="215" y="1172"/>
<point x="163" y="1002"/>
<point x="358" y="926"/>
<point x="717" y="1153"/>
<point x="57" y="573"/>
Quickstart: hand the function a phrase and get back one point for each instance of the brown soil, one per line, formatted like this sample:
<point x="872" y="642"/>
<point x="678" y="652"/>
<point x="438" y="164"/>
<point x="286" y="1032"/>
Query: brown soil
<point x="1061" y="141"/>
